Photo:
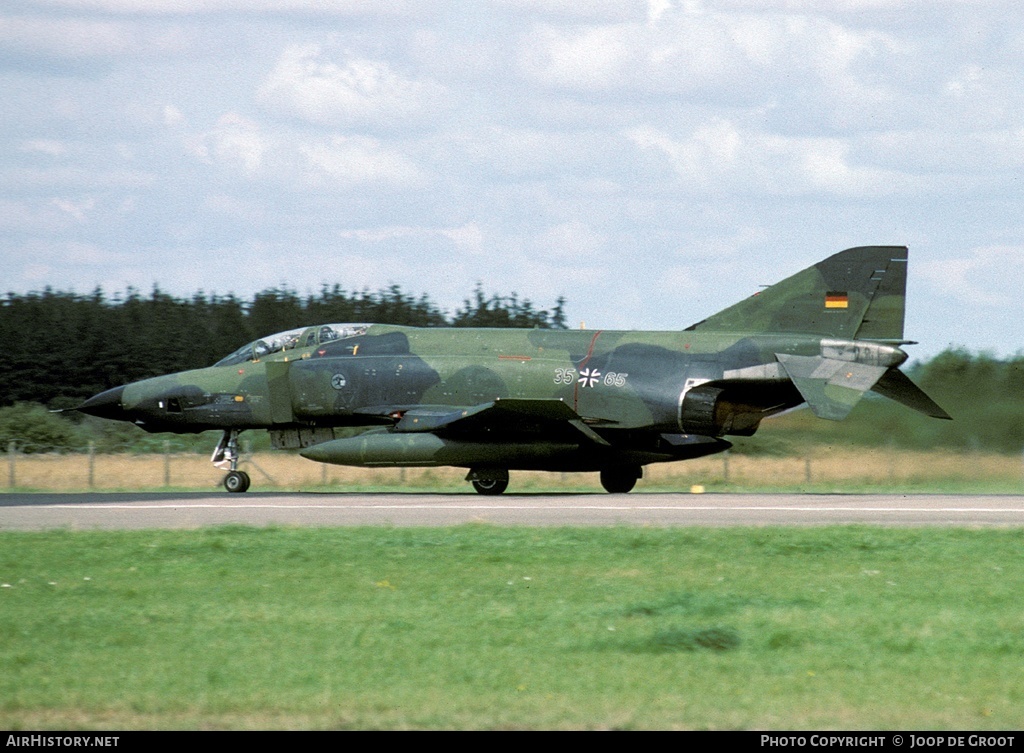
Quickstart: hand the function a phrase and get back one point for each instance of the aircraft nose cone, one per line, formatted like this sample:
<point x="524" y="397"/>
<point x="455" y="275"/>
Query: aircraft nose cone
<point x="105" y="405"/>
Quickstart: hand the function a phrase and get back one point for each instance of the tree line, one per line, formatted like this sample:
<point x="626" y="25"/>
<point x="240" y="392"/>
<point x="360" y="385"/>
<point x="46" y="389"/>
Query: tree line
<point x="59" y="348"/>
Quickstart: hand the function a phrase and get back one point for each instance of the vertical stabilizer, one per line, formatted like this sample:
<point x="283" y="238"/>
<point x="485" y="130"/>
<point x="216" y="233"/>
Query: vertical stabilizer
<point x="859" y="293"/>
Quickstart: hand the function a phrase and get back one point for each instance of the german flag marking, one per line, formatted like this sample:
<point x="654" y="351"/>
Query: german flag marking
<point x="836" y="300"/>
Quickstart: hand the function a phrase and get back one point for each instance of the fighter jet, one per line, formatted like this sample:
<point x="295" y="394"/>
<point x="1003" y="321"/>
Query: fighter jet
<point x="494" y="400"/>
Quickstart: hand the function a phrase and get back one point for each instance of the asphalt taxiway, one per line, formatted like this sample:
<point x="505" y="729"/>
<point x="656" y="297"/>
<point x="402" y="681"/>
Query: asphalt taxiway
<point x="194" y="510"/>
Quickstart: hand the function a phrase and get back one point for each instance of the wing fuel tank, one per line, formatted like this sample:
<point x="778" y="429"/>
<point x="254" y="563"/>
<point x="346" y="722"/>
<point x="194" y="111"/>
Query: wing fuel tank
<point x="386" y="449"/>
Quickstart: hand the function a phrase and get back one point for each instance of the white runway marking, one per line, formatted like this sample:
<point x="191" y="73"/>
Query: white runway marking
<point x="686" y="508"/>
<point x="37" y="512"/>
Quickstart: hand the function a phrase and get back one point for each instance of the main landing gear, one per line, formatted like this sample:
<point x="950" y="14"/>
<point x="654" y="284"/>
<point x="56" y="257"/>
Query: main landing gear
<point x="489" y="481"/>
<point x="226" y="456"/>
<point x="618" y="479"/>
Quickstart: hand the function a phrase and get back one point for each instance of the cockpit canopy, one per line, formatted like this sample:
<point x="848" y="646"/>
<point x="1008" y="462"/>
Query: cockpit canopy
<point x="303" y="337"/>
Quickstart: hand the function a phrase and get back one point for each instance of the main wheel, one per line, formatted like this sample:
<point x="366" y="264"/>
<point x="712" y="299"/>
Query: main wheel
<point x="619" y="480"/>
<point x="237" y="481"/>
<point x="490" y="486"/>
<point x="489" y="481"/>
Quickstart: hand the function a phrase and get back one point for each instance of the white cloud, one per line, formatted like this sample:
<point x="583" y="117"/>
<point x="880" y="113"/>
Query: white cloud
<point x="84" y="41"/>
<point x="49" y="147"/>
<point x="64" y="38"/>
<point x="956" y="160"/>
<point x="173" y="116"/>
<point x="721" y="157"/>
<point x="839" y="7"/>
<point x="253" y="7"/>
<point x="88" y="254"/>
<point x="687" y="51"/>
<point x="468" y="238"/>
<point x="299" y="161"/>
<point x="76" y="209"/>
<point x="41" y="260"/>
<point x="989" y="277"/>
<point x="353" y="160"/>
<point x="359" y="91"/>
<point x="605" y="10"/>
<point x="984" y="95"/>
<point x="79" y="176"/>
<point x="235" y="141"/>
<point x="589" y="59"/>
<point x="38" y="218"/>
<point x="527" y="152"/>
<point x="572" y="242"/>
<point x="656" y="9"/>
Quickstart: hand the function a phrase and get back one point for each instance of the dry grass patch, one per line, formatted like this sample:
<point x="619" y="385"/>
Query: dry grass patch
<point x="822" y="469"/>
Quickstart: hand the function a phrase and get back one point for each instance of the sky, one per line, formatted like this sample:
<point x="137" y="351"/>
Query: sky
<point x="652" y="161"/>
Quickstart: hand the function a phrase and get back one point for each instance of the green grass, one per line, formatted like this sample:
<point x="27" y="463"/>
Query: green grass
<point x="481" y="627"/>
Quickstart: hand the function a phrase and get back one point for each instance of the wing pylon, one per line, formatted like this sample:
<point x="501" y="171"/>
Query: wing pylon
<point x="508" y="415"/>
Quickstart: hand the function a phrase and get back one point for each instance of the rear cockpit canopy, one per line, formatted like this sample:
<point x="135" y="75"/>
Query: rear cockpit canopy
<point x="292" y="339"/>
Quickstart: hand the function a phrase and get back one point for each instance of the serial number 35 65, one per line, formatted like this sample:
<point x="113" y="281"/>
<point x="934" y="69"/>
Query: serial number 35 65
<point x="611" y="379"/>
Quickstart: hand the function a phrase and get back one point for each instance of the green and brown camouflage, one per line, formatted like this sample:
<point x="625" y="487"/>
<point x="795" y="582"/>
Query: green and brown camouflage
<point x="492" y="400"/>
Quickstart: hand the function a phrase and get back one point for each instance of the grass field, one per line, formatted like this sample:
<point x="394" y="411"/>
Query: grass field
<point x="480" y="627"/>
<point x="821" y="469"/>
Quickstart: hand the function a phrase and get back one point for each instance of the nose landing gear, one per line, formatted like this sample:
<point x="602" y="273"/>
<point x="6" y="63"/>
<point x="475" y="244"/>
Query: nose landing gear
<point x="225" y="456"/>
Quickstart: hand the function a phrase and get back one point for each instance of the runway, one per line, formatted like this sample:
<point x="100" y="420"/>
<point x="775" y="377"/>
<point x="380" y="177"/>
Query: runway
<point x="34" y="512"/>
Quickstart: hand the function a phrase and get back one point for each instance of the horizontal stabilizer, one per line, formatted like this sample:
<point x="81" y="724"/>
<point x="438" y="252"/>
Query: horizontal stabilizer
<point x="830" y="387"/>
<point x="897" y="386"/>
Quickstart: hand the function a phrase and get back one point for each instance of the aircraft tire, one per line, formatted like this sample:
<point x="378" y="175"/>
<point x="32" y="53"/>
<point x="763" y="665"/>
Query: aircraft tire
<point x="490" y="486"/>
<point x="237" y="481"/>
<point x="619" y="480"/>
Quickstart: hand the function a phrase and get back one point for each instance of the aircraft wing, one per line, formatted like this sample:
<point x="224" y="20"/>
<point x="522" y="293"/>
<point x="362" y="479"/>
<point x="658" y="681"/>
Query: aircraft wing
<point x="499" y="420"/>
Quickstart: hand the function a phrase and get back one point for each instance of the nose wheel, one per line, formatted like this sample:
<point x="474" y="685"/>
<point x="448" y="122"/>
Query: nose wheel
<point x="225" y="456"/>
<point x="237" y="481"/>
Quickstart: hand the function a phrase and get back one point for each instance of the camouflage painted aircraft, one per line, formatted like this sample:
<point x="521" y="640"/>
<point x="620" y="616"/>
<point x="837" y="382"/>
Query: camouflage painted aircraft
<point x="494" y="400"/>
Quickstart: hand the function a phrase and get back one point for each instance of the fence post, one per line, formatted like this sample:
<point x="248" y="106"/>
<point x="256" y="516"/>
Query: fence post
<point x="12" y="453"/>
<point x="167" y="462"/>
<point x="92" y="464"/>
<point x="807" y="470"/>
<point x="725" y="466"/>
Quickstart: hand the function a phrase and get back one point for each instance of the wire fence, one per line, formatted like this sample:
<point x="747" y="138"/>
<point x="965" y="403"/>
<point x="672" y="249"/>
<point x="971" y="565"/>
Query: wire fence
<point x="824" y="469"/>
